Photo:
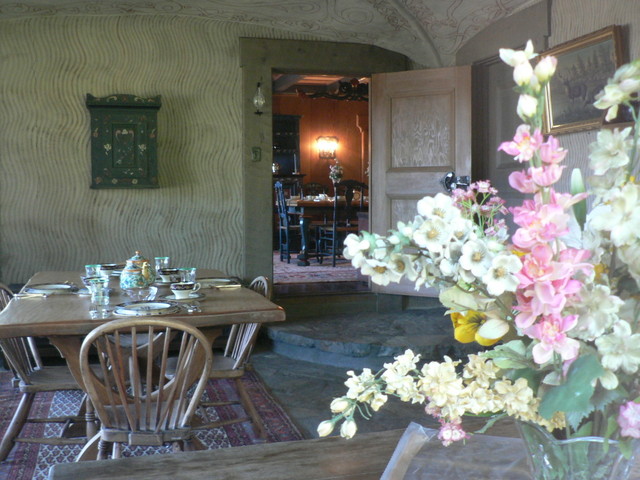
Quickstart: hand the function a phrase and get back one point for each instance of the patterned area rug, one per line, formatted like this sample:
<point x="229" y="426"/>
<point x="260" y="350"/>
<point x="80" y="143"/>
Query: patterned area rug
<point x="284" y="272"/>
<point x="27" y="461"/>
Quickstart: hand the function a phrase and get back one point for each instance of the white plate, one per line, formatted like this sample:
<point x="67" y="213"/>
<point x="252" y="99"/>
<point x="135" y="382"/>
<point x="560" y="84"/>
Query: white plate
<point x="192" y="296"/>
<point x="143" y="309"/>
<point x="51" y="288"/>
<point x="218" y="282"/>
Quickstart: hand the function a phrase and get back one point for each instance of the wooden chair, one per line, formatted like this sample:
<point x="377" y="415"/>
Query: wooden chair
<point x="33" y="379"/>
<point x="288" y="225"/>
<point x="233" y="364"/>
<point x="135" y="399"/>
<point x="329" y="238"/>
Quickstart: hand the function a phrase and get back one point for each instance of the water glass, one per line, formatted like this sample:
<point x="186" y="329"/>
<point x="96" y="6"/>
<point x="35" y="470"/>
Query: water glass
<point x="99" y="297"/>
<point x="188" y="274"/>
<point x="161" y="262"/>
<point x="92" y="270"/>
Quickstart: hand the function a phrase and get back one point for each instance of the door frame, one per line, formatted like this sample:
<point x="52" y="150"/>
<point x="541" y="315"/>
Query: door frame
<point x="258" y="59"/>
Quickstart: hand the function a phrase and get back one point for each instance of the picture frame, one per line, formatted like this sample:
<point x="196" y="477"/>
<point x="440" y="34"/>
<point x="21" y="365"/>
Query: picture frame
<point x="584" y="66"/>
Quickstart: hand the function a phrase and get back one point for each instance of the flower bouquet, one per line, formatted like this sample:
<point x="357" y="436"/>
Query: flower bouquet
<point x="556" y="303"/>
<point x="336" y="172"/>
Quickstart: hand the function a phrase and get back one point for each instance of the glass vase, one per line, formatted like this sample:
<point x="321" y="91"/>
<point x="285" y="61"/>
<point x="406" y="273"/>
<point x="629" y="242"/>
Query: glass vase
<point x="583" y="458"/>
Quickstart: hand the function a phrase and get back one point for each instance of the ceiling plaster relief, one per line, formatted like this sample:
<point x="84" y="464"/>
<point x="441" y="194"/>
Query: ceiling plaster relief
<point x="427" y="31"/>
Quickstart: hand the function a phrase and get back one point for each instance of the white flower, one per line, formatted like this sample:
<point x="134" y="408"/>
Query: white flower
<point x="516" y="57"/>
<point x="348" y="429"/>
<point x="476" y="257"/>
<point x="325" y="428"/>
<point x="501" y="276"/>
<point x="620" y="350"/>
<point x="621" y="216"/>
<point x="432" y="234"/>
<point x="379" y="272"/>
<point x="527" y="106"/>
<point x="523" y="73"/>
<point x="440" y="382"/>
<point x="440" y="205"/>
<point x="609" y="150"/>
<point x="596" y="312"/>
<point x="545" y="68"/>
<point x="402" y="264"/>
<point x="339" y="405"/>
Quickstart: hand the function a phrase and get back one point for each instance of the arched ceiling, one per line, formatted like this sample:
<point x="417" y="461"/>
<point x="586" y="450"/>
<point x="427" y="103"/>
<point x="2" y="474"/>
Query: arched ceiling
<point x="427" y="31"/>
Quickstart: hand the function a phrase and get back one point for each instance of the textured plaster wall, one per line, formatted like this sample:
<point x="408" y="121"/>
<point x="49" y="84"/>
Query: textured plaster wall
<point x="49" y="218"/>
<point x="573" y="18"/>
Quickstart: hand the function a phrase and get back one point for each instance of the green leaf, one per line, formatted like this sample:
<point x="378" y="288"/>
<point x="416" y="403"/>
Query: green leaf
<point x="577" y="186"/>
<point x="575" y="394"/>
<point x="531" y="375"/>
<point x="510" y="355"/>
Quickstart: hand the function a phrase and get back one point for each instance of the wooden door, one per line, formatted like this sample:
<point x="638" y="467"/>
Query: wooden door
<point x="420" y="130"/>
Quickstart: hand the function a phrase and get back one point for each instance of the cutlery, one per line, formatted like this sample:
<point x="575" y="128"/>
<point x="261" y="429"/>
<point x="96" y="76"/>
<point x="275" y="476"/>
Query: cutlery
<point x="31" y="295"/>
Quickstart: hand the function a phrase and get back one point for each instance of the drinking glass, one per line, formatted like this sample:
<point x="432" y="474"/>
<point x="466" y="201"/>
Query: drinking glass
<point x="92" y="270"/>
<point x="99" y="288"/>
<point x="188" y="274"/>
<point x="162" y="262"/>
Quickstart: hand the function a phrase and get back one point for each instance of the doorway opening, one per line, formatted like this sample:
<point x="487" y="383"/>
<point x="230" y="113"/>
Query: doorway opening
<point x="305" y="108"/>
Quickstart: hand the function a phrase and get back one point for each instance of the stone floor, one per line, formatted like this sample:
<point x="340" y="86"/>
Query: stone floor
<point x="304" y="361"/>
<point x="306" y="389"/>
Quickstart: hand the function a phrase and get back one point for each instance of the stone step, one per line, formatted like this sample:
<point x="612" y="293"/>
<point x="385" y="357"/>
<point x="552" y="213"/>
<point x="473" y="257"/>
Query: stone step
<point x="297" y="307"/>
<point x="366" y="339"/>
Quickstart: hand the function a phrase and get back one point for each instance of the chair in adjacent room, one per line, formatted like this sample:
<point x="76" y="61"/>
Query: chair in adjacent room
<point x="33" y="379"/>
<point x="137" y="402"/>
<point x="233" y="363"/>
<point x="288" y="225"/>
<point x="330" y="237"/>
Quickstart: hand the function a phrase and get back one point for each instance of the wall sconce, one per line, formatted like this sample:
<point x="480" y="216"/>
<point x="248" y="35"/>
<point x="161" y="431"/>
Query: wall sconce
<point x="327" y="147"/>
<point x="258" y="100"/>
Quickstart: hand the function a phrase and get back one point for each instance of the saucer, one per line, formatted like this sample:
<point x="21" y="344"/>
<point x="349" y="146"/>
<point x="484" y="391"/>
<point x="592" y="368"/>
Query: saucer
<point x="192" y="296"/>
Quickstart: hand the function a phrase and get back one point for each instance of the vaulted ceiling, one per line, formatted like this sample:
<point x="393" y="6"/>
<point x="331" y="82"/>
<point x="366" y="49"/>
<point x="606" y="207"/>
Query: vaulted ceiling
<point x="427" y="31"/>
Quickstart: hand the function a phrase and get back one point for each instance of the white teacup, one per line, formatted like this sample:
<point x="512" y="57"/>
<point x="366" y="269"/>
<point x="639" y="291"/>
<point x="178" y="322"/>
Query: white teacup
<point x="169" y="274"/>
<point x="182" y="290"/>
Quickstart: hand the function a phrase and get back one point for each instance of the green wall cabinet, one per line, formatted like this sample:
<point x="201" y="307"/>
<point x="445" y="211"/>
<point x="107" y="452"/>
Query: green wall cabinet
<point x="124" y="133"/>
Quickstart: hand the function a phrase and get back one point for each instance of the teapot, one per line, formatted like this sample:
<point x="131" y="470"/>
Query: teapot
<point x="137" y="273"/>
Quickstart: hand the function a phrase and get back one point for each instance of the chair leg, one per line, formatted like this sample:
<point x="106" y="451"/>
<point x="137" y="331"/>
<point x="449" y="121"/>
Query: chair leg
<point x="17" y="422"/>
<point x="91" y="449"/>
<point x="247" y="404"/>
<point x="90" y="417"/>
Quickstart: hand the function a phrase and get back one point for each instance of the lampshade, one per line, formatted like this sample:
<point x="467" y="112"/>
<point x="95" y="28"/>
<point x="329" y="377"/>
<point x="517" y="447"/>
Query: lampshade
<point x="327" y="147"/>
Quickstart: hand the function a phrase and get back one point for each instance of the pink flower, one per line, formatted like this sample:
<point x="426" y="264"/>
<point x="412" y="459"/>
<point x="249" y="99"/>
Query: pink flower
<point x="524" y="145"/>
<point x="522" y="182"/>
<point x="451" y="432"/>
<point x="551" y="152"/>
<point x="629" y="419"/>
<point x="551" y="332"/>
<point x="543" y="224"/>
<point x="546" y="176"/>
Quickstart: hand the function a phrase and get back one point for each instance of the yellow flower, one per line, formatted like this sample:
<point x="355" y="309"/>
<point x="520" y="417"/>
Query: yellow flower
<point x="466" y="328"/>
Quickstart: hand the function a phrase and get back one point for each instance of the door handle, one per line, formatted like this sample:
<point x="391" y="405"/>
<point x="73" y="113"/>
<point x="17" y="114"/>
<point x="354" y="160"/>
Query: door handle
<point x="451" y="181"/>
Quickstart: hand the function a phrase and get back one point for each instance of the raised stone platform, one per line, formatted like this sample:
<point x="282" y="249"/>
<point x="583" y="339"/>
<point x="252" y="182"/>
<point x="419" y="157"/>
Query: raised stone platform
<point x="367" y="339"/>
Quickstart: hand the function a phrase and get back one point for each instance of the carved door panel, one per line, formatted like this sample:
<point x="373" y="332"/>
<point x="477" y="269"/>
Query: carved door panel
<point x="420" y="130"/>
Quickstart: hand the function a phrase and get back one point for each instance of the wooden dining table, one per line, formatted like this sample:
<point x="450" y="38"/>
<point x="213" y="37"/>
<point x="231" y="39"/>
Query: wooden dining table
<point x="317" y="210"/>
<point x="64" y="318"/>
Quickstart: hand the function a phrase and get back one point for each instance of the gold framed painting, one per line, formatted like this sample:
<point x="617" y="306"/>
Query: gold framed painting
<point x="584" y="66"/>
